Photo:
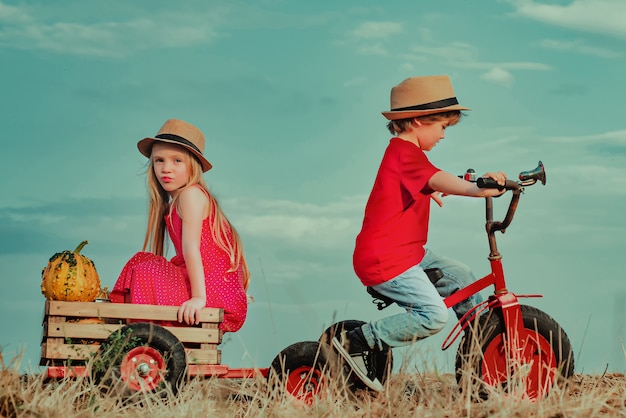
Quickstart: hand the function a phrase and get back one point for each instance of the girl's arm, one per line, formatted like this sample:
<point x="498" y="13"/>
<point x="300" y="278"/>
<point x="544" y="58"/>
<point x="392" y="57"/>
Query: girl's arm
<point x="193" y="208"/>
<point x="448" y="183"/>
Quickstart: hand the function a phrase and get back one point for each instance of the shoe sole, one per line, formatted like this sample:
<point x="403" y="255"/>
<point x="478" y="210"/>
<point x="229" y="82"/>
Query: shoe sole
<point x="374" y="385"/>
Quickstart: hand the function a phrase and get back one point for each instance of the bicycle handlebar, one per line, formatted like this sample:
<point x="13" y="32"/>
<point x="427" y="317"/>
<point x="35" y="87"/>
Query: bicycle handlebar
<point x="526" y="178"/>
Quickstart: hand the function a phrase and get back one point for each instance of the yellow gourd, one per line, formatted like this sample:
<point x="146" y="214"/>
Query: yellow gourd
<point x="70" y="276"/>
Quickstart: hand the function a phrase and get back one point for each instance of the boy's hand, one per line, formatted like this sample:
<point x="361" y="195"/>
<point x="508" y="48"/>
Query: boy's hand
<point x="189" y="311"/>
<point x="500" y="178"/>
<point x="437" y="197"/>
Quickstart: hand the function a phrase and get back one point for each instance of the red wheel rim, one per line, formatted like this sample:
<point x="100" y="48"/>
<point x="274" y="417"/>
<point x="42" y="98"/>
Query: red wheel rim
<point x="143" y="369"/>
<point x="532" y="372"/>
<point x="305" y="383"/>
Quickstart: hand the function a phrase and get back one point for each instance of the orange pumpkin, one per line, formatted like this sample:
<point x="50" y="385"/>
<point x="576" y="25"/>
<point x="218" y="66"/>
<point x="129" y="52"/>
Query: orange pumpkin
<point x="70" y="276"/>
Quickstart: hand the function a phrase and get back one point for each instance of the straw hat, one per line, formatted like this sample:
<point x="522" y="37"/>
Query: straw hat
<point x="178" y="132"/>
<point x="419" y="96"/>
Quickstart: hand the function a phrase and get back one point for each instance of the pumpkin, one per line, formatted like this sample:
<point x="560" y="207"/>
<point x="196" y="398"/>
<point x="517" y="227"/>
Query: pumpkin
<point x="70" y="276"/>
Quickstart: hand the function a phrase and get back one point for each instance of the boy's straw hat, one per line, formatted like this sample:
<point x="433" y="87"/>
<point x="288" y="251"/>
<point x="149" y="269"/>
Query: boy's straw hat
<point x="178" y="132"/>
<point x="419" y="96"/>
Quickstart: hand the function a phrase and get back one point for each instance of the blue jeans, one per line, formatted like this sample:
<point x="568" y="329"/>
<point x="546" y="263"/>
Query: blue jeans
<point x="426" y="314"/>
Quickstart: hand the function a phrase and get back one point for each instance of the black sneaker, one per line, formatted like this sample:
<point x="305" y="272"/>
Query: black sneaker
<point x="360" y="359"/>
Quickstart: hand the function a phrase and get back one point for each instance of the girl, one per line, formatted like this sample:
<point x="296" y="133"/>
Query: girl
<point x="209" y="269"/>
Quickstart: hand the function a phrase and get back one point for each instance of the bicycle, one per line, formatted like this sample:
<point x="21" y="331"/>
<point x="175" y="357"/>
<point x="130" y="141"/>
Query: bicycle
<point x="505" y="344"/>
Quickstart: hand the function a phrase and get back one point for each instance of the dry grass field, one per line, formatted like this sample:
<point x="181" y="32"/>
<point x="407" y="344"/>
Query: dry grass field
<point x="406" y="395"/>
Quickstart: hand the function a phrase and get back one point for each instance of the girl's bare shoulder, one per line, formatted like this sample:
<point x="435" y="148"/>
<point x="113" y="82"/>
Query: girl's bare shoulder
<point x="192" y="197"/>
<point x="194" y="192"/>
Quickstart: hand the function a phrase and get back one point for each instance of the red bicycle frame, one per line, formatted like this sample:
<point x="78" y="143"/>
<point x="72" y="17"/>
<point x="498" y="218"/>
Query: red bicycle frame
<point x="502" y="298"/>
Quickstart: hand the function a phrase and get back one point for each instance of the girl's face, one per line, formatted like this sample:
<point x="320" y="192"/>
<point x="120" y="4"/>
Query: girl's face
<point x="170" y="163"/>
<point x="430" y="133"/>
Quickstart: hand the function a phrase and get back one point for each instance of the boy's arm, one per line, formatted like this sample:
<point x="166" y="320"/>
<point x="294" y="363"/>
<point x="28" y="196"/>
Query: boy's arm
<point x="448" y="183"/>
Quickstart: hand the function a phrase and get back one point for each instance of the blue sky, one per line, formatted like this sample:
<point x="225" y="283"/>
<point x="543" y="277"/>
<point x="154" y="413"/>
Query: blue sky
<point x="289" y="95"/>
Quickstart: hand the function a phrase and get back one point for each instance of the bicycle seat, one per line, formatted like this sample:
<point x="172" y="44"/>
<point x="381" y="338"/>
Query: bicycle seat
<point x="381" y="301"/>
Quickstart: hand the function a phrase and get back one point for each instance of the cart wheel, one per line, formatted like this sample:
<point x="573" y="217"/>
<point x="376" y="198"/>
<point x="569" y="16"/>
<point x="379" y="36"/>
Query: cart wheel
<point x="384" y="358"/>
<point x="140" y="357"/>
<point x="545" y="356"/>
<point x="303" y="370"/>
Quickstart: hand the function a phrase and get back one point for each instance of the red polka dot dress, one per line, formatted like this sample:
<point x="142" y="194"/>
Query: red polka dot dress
<point x="152" y="279"/>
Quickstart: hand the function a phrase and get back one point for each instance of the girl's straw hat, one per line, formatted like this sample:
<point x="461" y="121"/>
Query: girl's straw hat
<point x="178" y="132"/>
<point x="419" y="96"/>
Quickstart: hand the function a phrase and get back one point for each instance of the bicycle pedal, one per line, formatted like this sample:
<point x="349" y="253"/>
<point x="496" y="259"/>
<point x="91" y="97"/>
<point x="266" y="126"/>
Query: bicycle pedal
<point x="434" y="274"/>
<point x="381" y="301"/>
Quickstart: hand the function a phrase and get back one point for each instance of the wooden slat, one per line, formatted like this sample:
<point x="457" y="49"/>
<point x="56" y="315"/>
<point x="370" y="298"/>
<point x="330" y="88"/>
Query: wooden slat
<point x="102" y="331"/>
<point x="125" y="311"/>
<point x="196" y="335"/>
<point x="195" y="356"/>
<point x="84" y="331"/>
<point x="84" y="352"/>
<point x="68" y="351"/>
<point x="54" y="320"/>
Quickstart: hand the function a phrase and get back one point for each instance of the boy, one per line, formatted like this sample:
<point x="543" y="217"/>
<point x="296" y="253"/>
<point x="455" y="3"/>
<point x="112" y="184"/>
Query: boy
<point x="389" y="254"/>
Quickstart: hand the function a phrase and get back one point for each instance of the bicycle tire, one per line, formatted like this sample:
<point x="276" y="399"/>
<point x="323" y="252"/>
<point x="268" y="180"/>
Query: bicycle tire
<point x="547" y="356"/>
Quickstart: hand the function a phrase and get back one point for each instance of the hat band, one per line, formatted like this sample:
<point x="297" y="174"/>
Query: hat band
<point x="428" y="106"/>
<point x="180" y="139"/>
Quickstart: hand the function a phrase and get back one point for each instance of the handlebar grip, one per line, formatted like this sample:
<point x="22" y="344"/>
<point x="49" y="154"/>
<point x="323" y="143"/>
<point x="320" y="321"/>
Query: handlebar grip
<point x="488" y="183"/>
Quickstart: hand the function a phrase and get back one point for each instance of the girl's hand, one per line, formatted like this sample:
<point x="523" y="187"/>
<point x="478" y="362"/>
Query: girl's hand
<point x="189" y="311"/>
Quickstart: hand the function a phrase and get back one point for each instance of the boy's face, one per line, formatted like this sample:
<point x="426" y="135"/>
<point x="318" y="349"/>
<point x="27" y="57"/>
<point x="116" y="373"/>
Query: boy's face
<point x="429" y="133"/>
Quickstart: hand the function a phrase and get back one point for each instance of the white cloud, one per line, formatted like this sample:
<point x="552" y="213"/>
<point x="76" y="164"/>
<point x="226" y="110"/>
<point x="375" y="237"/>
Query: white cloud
<point x="463" y="55"/>
<point x="23" y="29"/>
<point x="499" y="75"/>
<point x="591" y="165"/>
<point x="356" y="81"/>
<point x="372" y="49"/>
<point x="368" y="38"/>
<point x="522" y="65"/>
<point x="599" y="16"/>
<point x="376" y="30"/>
<point x="615" y="137"/>
<point x="587" y="179"/>
<point x="458" y="51"/>
<point x="12" y="14"/>
<point x="291" y="271"/>
<point x="299" y="224"/>
<point x="580" y="47"/>
<point x="292" y="227"/>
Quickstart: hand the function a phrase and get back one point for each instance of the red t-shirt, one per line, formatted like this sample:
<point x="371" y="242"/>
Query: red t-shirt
<point x="395" y="225"/>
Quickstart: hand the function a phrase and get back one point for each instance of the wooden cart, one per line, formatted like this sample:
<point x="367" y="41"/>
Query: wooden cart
<point x="76" y="333"/>
<point x="73" y="333"/>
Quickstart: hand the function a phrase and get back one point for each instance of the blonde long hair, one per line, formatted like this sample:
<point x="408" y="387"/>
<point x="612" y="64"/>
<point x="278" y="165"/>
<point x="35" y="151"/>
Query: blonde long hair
<point x="160" y="205"/>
